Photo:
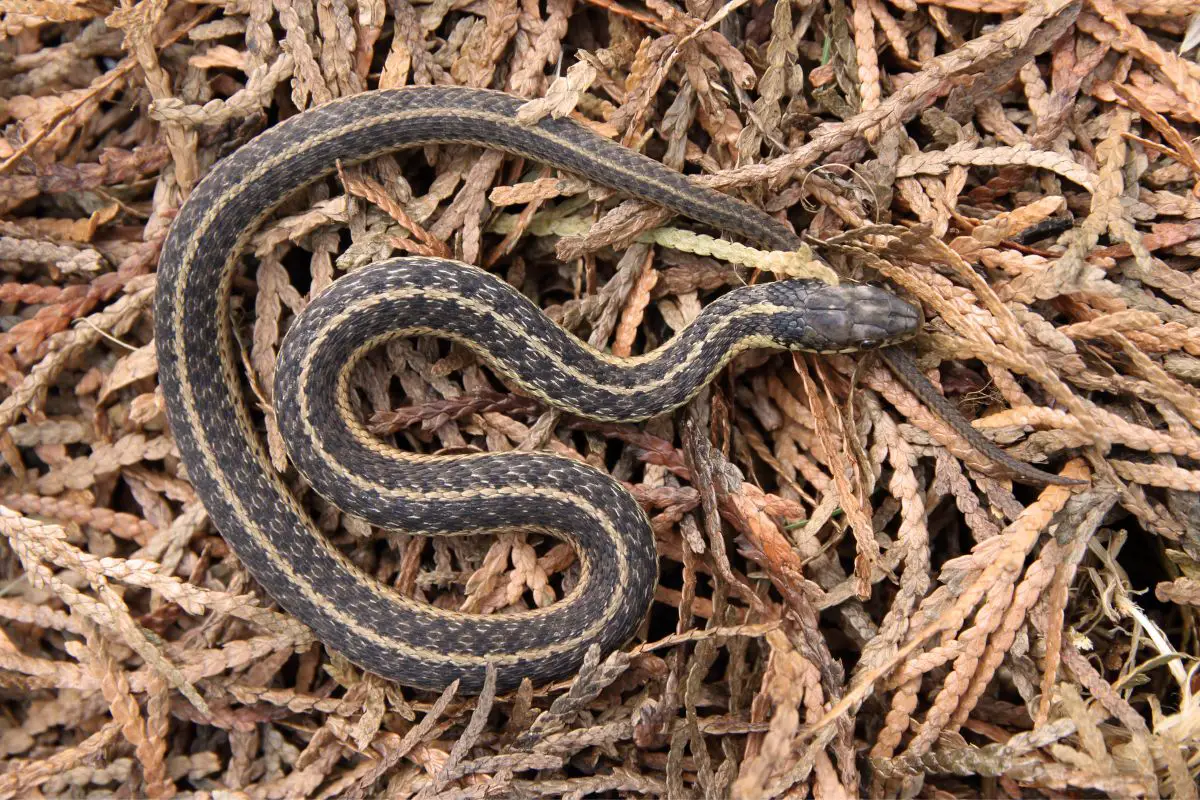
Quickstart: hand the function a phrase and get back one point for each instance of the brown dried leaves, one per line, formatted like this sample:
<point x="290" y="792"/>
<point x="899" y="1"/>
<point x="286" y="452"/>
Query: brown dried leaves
<point x="1034" y="182"/>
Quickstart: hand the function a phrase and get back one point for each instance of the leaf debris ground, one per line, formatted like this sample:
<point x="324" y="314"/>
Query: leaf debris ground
<point x="850" y="605"/>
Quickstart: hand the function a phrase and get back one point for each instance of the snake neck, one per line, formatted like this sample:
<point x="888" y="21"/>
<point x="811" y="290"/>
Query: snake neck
<point x="427" y="296"/>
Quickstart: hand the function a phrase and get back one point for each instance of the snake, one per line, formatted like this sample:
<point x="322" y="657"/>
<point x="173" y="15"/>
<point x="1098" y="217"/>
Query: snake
<point x="400" y="637"/>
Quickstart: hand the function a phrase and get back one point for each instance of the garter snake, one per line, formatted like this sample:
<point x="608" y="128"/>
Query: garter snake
<point x="397" y="637"/>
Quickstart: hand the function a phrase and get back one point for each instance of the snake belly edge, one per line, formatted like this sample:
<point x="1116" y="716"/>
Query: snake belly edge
<point x="401" y="639"/>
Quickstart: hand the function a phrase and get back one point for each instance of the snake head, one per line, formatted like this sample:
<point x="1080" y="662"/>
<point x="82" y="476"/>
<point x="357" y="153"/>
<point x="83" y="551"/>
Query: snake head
<point x="847" y="318"/>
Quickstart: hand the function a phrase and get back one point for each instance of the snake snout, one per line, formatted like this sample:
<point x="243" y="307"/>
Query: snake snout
<point x="881" y="318"/>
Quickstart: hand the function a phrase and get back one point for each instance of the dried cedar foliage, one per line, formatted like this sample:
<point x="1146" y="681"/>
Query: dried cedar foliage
<point x="849" y="604"/>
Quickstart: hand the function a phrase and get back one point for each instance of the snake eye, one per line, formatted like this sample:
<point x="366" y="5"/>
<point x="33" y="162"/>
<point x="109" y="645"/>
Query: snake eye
<point x="868" y="344"/>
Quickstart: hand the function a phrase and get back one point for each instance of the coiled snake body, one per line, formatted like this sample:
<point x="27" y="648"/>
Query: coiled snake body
<point x="399" y="638"/>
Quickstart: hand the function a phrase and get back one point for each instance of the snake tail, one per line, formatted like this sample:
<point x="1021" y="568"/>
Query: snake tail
<point x="905" y="369"/>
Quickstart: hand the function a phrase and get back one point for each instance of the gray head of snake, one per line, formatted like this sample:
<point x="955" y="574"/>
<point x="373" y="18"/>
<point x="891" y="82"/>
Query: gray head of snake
<point x="819" y="318"/>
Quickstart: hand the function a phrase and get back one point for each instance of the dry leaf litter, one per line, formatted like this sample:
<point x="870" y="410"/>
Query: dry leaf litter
<point x="852" y="602"/>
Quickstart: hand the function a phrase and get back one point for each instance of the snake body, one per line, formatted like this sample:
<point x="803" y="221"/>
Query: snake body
<point x="397" y="637"/>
